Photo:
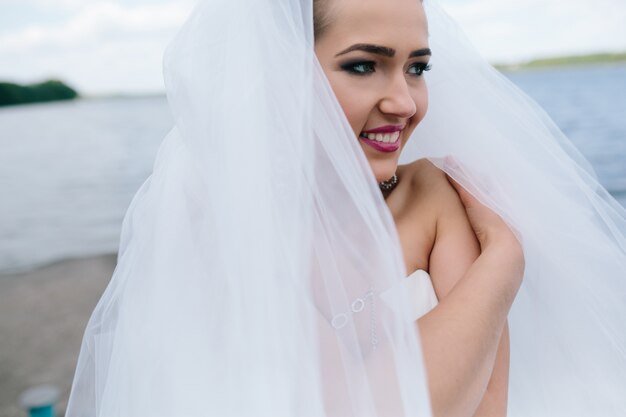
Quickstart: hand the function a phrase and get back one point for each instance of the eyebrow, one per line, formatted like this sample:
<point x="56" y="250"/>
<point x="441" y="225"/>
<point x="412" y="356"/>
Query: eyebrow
<point x="420" y="52"/>
<point x="382" y="50"/>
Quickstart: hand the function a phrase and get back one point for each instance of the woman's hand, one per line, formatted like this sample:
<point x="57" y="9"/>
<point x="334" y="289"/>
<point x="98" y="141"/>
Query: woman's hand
<point x="464" y="338"/>
<point x="490" y="230"/>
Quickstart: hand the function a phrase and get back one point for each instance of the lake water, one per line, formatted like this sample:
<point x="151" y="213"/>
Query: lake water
<point x="589" y="105"/>
<point x="69" y="170"/>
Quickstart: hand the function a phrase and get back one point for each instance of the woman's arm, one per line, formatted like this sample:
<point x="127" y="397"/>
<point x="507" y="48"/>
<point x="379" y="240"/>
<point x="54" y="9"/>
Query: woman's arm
<point x="494" y="402"/>
<point x="460" y="337"/>
<point x="465" y="338"/>
<point x="456" y="248"/>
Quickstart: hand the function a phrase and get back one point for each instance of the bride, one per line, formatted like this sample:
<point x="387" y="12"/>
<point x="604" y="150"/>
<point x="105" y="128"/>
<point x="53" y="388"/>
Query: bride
<point x="375" y="55"/>
<point x="293" y="232"/>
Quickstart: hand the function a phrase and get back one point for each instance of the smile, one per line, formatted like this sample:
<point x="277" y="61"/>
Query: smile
<point x="384" y="139"/>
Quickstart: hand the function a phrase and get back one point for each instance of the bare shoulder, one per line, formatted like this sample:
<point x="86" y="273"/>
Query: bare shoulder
<point x="429" y="187"/>
<point x="420" y="204"/>
<point x="454" y="245"/>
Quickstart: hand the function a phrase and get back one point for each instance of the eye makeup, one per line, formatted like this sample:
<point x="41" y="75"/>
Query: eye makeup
<point x="366" y="67"/>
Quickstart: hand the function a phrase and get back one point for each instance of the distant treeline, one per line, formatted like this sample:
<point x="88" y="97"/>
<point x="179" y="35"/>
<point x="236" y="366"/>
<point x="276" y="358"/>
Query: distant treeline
<point x="47" y="91"/>
<point x="606" y="58"/>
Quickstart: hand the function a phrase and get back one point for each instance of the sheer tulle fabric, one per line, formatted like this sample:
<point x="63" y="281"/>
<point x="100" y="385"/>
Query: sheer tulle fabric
<point x="252" y="260"/>
<point x="568" y="334"/>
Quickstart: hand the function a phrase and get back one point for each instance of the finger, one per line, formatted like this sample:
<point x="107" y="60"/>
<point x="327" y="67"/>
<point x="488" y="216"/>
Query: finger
<point x="455" y="169"/>
<point x="466" y="198"/>
<point x="451" y="166"/>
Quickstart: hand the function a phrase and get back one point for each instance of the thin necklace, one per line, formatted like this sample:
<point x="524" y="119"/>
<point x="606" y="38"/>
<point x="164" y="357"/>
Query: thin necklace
<point x="390" y="184"/>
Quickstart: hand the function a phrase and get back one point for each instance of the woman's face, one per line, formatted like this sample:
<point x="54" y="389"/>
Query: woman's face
<point x="374" y="53"/>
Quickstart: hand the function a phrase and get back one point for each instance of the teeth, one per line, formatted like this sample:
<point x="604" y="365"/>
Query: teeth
<point x="384" y="138"/>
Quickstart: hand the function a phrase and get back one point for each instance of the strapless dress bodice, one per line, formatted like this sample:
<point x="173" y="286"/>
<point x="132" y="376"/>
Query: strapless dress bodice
<point x="418" y="288"/>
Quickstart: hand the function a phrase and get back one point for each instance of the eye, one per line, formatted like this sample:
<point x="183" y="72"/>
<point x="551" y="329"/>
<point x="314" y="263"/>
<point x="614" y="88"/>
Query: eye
<point x="418" y="68"/>
<point x="359" y="67"/>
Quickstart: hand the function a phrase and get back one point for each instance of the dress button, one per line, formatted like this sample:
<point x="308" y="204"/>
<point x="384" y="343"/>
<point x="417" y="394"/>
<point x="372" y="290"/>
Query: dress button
<point x="339" y="321"/>
<point x="358" y="305"/>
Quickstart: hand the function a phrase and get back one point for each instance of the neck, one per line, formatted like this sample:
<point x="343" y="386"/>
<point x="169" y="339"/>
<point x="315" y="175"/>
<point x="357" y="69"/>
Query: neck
<point x="386" y="187"/>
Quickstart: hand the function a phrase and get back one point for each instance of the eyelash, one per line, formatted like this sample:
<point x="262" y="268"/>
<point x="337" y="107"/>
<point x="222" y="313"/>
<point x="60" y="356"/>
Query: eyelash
<point x="368" y="67"/>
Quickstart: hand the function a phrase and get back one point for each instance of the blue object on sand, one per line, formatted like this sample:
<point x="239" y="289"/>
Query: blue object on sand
<point x="39" y="401"/>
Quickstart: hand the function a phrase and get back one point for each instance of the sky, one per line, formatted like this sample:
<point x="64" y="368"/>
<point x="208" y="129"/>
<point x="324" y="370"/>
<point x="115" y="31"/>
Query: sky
<point x="116" y="46"/>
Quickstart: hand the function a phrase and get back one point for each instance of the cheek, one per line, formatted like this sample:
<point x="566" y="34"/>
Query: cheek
<point x="421" y="105"/>
<point x="420" y="97"/>
<point x="354" y="102"/>
<point x="421" y="102"/>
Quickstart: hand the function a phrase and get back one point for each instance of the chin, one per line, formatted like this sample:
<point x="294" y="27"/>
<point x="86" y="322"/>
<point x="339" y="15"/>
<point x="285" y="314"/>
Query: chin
<point x="384" y="171"/>
<point x="383" y="166"/>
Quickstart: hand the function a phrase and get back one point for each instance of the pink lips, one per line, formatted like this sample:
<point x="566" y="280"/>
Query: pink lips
<point x="386" y="129"/>
<point x="381" y="146"/>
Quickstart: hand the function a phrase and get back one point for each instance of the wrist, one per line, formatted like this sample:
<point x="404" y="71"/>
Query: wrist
<point x="506" y="251"/>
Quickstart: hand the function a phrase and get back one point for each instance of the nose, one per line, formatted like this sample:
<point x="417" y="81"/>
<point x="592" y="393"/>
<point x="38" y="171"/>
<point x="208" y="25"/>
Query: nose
<point x="398" y="100"/>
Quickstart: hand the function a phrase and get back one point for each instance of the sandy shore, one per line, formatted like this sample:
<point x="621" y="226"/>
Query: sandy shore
<point x="43" y="314"/>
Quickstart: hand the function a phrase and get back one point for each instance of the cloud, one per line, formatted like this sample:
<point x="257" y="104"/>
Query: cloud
<point x="102" y="47"/>
<point x="64" y="4"/>
<point x="512" y="30"/>
<point x="100" y="21"/>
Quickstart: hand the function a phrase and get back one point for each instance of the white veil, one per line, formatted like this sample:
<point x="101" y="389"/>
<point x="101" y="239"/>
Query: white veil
<point x="252" y="260"/>
<point x="568" y="322"/>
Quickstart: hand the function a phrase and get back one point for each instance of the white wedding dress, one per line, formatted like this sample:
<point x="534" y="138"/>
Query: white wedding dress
<point x="418" y="288"/>
<point x="415" y="291"/>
